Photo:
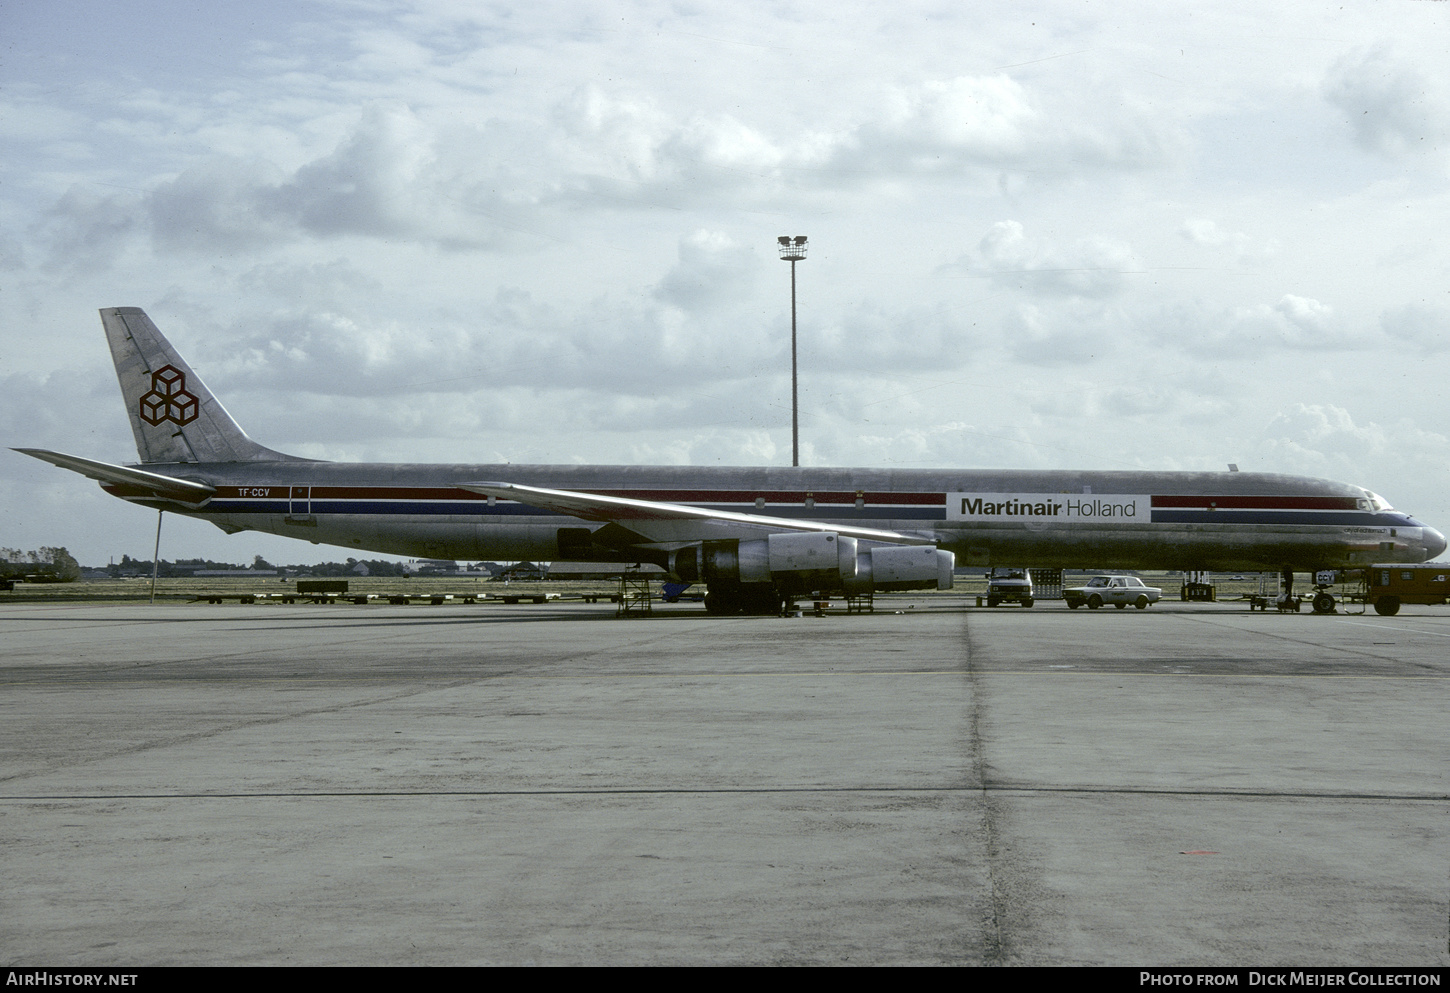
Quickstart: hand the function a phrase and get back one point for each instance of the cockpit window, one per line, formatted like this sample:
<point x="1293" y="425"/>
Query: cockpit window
<point x="1377" y="503"/>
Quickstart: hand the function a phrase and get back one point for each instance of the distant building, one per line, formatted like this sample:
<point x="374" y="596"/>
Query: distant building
<point x="235" y="572"/>
<point x="525" y="570"/>
<point x="600" y="570"/>
<point x="430" y="567"/>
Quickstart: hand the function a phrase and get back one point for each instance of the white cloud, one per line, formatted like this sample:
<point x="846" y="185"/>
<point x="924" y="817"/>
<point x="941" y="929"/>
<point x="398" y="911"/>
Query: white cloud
<point x="1301" y="322"/>
<point x="725" y="142"/>
<point x="86" y="230"/>
<point x="1426" y="326"/>
<point x="1326" y="440"/>
<point x="1295" y="323"/>
<point x="620" y="138"/>
<point x="990" y="119"/>
<point x="1393" y="106"/>
<point x="873" y="336"/>
<point x="215" y="206"/>
<point x="1060" y="336"/>
<point x="384" y="180"/>
<point x="41" y="412"/>
<point x="1245" y="250"/>
<point x="1092" y="267"/>
<point x="713" y="270"/>
<point x="945" y="126"/>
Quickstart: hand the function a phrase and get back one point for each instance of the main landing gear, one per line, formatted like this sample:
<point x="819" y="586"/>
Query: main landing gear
<point x="759" y="599"/>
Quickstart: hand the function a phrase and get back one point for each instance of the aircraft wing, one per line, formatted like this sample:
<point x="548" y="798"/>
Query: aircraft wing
<point x="664" y="519"/>
<point x="149" y="483"/>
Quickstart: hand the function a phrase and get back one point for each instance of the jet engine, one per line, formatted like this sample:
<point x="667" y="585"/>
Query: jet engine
<point x="902" y="567"/>
<point x="756" y="570"/>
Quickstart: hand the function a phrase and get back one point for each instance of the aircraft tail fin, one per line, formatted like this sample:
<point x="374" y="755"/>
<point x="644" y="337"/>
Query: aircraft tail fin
<point x="174" y="416"/>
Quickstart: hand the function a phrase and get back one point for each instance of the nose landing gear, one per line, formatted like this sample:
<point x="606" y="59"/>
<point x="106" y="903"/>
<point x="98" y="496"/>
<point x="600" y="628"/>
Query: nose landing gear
<point x="1323" y="601"/>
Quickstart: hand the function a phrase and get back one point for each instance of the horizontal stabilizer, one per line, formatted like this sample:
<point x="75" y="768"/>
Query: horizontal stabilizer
<point x="163" y="487"/>
<point x="594" y="507"/>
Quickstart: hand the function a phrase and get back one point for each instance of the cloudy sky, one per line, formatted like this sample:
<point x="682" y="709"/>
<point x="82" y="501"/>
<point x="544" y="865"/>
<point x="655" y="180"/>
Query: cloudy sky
<point x="1057" y="234"/>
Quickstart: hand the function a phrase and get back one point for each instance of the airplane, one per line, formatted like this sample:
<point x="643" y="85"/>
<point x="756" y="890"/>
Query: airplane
<point x="756" y="537"/>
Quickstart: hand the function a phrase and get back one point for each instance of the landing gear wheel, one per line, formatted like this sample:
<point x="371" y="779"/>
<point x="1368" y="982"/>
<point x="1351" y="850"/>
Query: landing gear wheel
<point x="1094" y="602"/>
<point x="1387" y="606"/>
<point x="764" y="602"/>
<point x="1323" y="603"/>
<point x="721" y="605"/>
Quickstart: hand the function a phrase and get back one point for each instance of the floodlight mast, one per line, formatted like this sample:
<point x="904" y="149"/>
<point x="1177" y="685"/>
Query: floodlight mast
<point x="793" y="250"/>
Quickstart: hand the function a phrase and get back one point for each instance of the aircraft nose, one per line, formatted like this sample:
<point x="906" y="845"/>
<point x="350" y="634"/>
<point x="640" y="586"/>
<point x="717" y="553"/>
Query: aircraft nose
<point x="1434" y="543"/>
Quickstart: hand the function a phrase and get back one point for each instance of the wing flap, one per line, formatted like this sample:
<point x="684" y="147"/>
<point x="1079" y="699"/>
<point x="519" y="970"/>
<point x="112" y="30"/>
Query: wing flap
<point x="639" y="513"/>
<point x="150" y="483"/>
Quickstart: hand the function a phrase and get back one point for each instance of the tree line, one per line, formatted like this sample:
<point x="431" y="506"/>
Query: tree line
<point x="182" y="568"/>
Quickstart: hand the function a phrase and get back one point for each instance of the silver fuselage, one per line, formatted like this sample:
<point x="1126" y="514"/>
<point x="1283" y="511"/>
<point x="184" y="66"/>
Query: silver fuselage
<point x="1071" y="519"/>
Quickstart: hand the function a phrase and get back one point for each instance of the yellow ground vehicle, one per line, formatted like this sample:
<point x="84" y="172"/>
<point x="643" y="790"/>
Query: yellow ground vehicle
<point x="1386" y="587"/>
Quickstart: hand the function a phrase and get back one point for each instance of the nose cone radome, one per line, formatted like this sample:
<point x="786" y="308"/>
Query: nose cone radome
<point x="1434" y="544"/>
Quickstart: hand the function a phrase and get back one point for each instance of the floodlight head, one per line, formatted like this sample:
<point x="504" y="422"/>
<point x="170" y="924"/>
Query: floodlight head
<point x="792" y="249"/>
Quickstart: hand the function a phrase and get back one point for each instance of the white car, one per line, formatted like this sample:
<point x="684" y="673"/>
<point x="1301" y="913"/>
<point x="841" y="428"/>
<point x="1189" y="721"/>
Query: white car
<point x="1116" y="590"/>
